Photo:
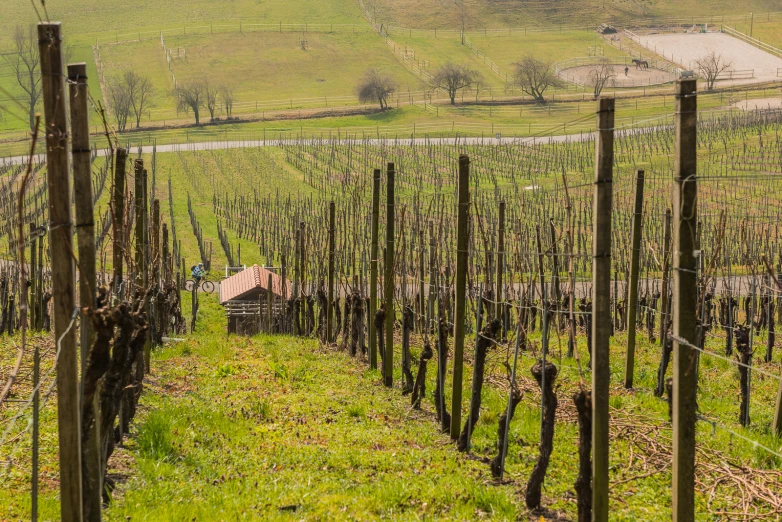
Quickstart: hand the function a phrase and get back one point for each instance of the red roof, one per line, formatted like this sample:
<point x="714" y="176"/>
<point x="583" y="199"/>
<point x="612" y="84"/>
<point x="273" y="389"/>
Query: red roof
<point x="249" y="283"/>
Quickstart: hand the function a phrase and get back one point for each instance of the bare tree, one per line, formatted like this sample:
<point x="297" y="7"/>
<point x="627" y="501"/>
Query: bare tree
<point x="462" y="15"/>
<point x="140" y="91"/>
<point x="227" y="95"/>
<point x="710" y="67"/>
<point x="190" y="97"/>
<point x="23" y="61"/>
<point x="211" y="93"/>
<point x="119" y="102"/>
<point x="534" y="76"/>
<point x="601" y="76"/>
<point x="375" y="86"/>
<point x="452" y="78"/>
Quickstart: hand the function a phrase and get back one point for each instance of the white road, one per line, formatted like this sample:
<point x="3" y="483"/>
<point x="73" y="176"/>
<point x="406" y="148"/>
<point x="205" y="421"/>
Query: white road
<point x="223" y="145"/>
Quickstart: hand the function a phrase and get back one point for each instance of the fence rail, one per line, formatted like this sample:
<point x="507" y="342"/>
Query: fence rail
<point x="752" y="41"/>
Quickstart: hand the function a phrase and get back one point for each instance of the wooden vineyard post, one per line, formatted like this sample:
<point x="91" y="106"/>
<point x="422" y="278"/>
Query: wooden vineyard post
<point x="82" y="191"/>
<point x="685" y="293"/>
<point x="283" y="293"/>
<point x="63" y="270"/>
<point x="635" y="258"/>
<point x="85" y="233"/>
<point x="295" y="295"/>
<point x="388" y="357"/>
<point x="373" y="269"/>
<point x="138" y="201"/>
<point x="462" y="244"/>
<point x="330" y="290"/>
<point x="270" y="305"/>
<point x="666" y="282"/>
<point x="777" y="429"/>
<point x="118" y="210"/>
<point x="498" y="307"/>
<point x="33" y="277"/>
<point x="601" y="305"/>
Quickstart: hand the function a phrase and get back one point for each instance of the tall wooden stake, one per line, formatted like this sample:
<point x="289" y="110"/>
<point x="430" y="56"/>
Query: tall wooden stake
<point x="388" y="358"/>
<point x="635" y="258"/>
<point x="601" y="305"/>
<point x="664" y="304"/>
<point x="85" y="233"/>
<point x="498" y="307"/>
<point x="373" y="269"/>
<point x="63" y="271"/>
<point x="330" y="290"/>
<point x="462" y="244"/>
<point x="685" y="290"/>
<point x="118" y="209"/>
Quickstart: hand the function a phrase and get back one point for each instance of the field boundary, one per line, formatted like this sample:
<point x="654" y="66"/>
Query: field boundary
<point x="752" y="41"/>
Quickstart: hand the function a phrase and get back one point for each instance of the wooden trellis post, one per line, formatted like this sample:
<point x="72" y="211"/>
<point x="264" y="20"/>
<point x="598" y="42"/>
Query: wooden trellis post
<point x="388" y="357"/>
<point x="330" y="289"/>
<point x="373" y="269"/>
<point x="601" y="306"/>
<point x="462" y="244"/>
<point x="635" y="258"/>
<point x="685" y="292"/>
<point x="63" y="270"/>
<point x="85" y="232"/>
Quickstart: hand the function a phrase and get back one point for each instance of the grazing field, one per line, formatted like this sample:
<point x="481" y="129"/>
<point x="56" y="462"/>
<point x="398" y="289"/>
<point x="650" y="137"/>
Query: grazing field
<point x="266" y="67"/>
<point x="87" y="19"/>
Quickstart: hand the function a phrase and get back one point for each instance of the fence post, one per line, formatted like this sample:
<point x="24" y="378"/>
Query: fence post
<point x="138" y="199"/>
<point x="777" y="430"/>
<point x="270" y="305"/>
<point x="601" y="305"/>
<point x="498" y="307"/>
<point x="373" y="269"/>
<point x="330" y="290"/>
<point x="666" y="282"/>
<point x="635" y="258"/>
<point x="85" y="231"/>
<point x="684" y="301"/>
<point x="462" y="244"/>
<point x="388" y="357"/>
<point x="63" y="272"/>
<point x="118" y="211"/>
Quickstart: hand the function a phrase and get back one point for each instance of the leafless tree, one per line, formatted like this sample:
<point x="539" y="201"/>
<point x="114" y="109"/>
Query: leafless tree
<point x="452" y="78"/>
<point x="190" y="97"/>
<point x="710" y="67"/>
<point x="140" y="91"/>
<point x="211" y="92"/>
<point x="24" y="61"/>
<point x="375" y="86"/>
<point x="462" y="15"/>
<point x="534" y="76"/>
<point x="601" y="76"/>
<point x="119" y="102"/>
<point x="227" y="95"/>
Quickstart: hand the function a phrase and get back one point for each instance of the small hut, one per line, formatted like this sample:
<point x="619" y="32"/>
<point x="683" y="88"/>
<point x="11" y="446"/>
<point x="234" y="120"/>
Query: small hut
<point x="246" y="297"/>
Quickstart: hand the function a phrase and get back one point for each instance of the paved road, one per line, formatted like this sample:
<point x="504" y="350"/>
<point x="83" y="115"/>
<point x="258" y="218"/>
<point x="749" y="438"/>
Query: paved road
<point x="246" y="144"/>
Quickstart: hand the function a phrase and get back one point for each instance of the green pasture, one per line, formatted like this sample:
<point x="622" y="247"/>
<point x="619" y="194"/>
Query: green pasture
<point x="85" y="20"/>
<point x="263" y="66"/>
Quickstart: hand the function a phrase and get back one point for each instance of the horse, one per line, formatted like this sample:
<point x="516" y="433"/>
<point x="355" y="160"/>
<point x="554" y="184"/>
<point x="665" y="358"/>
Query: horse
<point x="640" y="64"/>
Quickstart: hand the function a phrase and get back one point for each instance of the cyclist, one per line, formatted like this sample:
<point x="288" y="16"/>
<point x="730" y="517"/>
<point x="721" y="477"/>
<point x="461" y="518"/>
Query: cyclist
<point x="198" y="273"/>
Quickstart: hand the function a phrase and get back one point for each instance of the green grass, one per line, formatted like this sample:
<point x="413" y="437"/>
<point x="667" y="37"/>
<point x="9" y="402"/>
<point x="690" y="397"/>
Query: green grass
<point x="87" y="19"/>
<point x="266" y="67"/>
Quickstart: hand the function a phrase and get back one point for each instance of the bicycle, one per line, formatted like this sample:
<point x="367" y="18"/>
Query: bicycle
<point x="206" y="285"/>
